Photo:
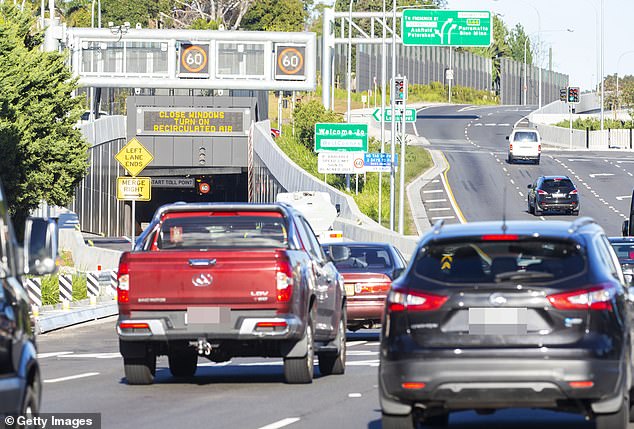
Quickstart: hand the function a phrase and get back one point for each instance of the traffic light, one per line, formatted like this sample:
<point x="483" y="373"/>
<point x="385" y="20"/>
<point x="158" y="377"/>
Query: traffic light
<point x="573" y="94"/>
<point x="400" y="90"/>
<point x="563" y="92"/>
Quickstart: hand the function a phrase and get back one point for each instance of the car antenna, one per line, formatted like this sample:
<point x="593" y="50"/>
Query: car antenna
<point x="504" y="210"/>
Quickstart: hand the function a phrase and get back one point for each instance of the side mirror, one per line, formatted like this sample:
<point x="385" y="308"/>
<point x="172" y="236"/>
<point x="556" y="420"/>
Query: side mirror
<point x="530" y="186"/>
<point x="40" y="246"/>
<point x="339" y="253"/>
<point x="626" y="228"/>
<point x="507" y="137"/>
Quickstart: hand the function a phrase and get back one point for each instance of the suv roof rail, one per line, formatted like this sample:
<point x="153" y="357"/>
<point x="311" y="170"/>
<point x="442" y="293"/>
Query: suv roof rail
<point x="581" y="222"/>
<point x="438" y="226"/>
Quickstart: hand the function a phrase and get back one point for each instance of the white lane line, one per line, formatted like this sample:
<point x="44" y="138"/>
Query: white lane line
<point x="512" y="181"/>
<point x="354" y="395"/>
<point x="268" y="363"/>
<point x="629" y="173"/>
<point x="215" y="364"/>
<point x="443" y="217"/>
<point x="55" y="354"/>
<point x="281" y="423"/>
<point x="503" y="169"/>
<point x="361" y="353"/>
<point x="600" y="175"/>
<point x="373" y="343"/>
<point x="355" y="343"/>
<point x="434" y="191"/>
<point x="373" y="362"/>
<point x="621" y="198"/>
<point x="439" y="209"/>
<point x="521" y="194"/>
<point x="442" y="200"/>
<point x="490" y="125"/>
<point x="504" y="125"/>
<point x="477" y="125"/>
<point x="579" y="160"/>
<point x="435" y="181"/>
<point x="115" y="355"/>
<point x="71" y="377"/>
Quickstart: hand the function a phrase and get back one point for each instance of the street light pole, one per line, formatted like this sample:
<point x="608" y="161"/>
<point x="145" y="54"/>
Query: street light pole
<point x="602" y="78"/>
<point x="393" y="108"/>
<point x="349" y="76"/>
<point x="383" y="88"/>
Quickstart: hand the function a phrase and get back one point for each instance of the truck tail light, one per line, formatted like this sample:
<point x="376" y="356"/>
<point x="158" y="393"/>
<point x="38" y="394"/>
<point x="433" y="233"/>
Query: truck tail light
<point x="284" y="279"/>
<point x="408" y="300"/>
<point x="597" y="297"/>
<point x="123" y="283"/>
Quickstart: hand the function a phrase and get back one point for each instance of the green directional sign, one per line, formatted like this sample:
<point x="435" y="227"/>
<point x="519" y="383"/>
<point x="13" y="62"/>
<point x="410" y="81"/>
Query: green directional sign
<point x="341" y="137"/>
<point x="410" y="115"/>
<point x="435" y="27"/>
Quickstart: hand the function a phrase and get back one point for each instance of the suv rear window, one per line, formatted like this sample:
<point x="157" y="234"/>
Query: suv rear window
<point x="624" y="251"/>
<point x="525" y="136"/>
<point x="526" y="260"/>
<point x="368" y="258"/>
<point x="555" y="185"/>
<point x="220" y="230"/>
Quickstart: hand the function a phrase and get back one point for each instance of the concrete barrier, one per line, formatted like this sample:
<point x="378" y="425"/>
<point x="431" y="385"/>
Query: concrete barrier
<point x="87" y="258"/>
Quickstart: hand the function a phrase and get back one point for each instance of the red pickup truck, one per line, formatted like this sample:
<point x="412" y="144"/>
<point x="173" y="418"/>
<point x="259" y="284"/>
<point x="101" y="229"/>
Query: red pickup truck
<point x="229" y="280"/>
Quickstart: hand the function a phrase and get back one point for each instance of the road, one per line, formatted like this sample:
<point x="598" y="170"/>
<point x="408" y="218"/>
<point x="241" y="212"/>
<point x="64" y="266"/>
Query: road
<point x="484" y="185"/>
<point x="83" y="372"/>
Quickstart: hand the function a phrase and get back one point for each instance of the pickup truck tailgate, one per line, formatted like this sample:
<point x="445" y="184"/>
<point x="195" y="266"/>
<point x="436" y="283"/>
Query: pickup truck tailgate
<point x="177" y="279"/>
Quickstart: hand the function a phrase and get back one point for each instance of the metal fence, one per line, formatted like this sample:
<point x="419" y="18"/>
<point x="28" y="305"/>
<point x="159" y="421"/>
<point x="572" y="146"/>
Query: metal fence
<point x="422" y="65"/>
<point x="512" y="83"/>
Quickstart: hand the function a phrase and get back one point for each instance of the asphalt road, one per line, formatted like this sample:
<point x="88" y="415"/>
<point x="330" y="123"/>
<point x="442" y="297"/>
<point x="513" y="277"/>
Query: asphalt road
<point x="83" y="372"/>
<point x="485" y="186"/>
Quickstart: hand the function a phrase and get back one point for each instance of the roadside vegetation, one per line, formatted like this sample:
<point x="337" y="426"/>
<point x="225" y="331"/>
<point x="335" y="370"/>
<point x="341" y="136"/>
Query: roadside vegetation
<point x="300" y="148"/>
<point x="595" y="124"/>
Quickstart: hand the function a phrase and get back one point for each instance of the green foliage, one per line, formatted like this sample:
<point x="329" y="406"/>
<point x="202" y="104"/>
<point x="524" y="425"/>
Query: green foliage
<point x="516" y="40"/>
<point x="594" y="124"/>
<point x="80" y="288"/>
<point x="145" y="12"/>
<point x="306" y="116"/>
<point x="50" y="290"/>
<point x="202" y="24"/>
<point x="276" y="15"/>
<point x="44" y="156"/>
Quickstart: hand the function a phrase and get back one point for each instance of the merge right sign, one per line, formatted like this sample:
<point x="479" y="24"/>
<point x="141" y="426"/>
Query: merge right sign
<point x="436" y="27"/>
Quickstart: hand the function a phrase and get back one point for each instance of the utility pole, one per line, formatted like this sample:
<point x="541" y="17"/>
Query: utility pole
<point x="383" y="88"/>
<point x="393" y="108"/>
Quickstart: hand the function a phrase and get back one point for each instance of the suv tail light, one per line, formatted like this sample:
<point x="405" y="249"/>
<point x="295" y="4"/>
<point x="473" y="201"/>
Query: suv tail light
<point x="598" y="297"/>
<point x="574" y="192"/>
<point x="540" y="192"/>
<point x="284" y="280"/>
<point x="408" y="300"/>
<point x="539" y="148"/>
<point x="511" y="147"/>
<point x="123" y="283"/>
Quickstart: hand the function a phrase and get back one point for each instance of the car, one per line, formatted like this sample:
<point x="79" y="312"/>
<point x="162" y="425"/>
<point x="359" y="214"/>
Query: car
<point x="493" y="315"/>
<point x="368" y="270"/>
<point x="20" y="378"/>
<point x="553" y="193"/>
<point x="225" y="280"/>
<point x="624" y="249"/>
<point x="524" y="144"/>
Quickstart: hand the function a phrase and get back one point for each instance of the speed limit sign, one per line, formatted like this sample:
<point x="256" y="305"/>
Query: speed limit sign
<point x="194" y="60"/>
<point x="289" y="62"/>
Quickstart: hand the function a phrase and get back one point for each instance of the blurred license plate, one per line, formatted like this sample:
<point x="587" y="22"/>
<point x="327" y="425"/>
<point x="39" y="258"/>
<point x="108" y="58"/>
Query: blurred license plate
<point x="207" y="315"/>
<point x="349" y="289"/>
<point x="498" y="321"/>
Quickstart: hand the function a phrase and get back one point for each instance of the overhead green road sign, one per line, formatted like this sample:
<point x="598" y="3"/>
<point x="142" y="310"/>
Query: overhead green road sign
<point x="434" y="27"/>
<point x="341" y="137"/>
<point x="410" y="115"/>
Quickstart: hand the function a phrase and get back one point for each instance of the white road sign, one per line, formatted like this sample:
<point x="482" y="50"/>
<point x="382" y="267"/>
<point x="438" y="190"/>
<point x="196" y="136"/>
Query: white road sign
<point x="340" y="162"/>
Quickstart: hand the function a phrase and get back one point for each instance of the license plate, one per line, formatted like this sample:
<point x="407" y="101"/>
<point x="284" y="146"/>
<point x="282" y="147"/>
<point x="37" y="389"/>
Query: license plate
<point x="349" y="289"/>
<point x="498" y="321"/>
<point x="558" y="195"/>
<point x="207" y="315"/>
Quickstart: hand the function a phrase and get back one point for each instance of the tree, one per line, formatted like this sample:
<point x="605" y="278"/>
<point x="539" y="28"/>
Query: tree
<point x="229" y="13"/>
<point x="516" y="42"/>
<point x="146" y="12"/>
<point x="498" y="49"/>
<point x="44" y="155"/>
<point x="276" y="15"/>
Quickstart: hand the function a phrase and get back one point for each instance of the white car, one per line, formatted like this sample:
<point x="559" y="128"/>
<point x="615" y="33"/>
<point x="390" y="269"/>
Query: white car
<point x="524" y="144"/>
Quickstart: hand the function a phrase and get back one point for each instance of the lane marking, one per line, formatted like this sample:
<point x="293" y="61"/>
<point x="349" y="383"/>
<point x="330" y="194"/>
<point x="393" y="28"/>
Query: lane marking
<point x="452" y="198"/>
<point x="435" y="191"/>
<point x="354" y="395"/>
<point x="435" y="181"/>
<point x="579" y="160"/>
<point x="542" y="218"/>
<point x="51" y="354"/>
<point x="373" y="362"/>
<point x="504" y="125"/>
<point x="355" y="343"/>
<point x="439" y="209"/>
<point x="490" y="125"/>
<point x="71" y="377"/>
<point x="442" y="217"/>
<point x="442" y="200"/>
<point x="115" y="355"/>
<point x="521" y="194"/>
<point x="600" y="175"/>
<point x="361" y="353"/>
<point x="621" y="198"/>
<point x="374" y="343"/>
<point x="281" y="423"/>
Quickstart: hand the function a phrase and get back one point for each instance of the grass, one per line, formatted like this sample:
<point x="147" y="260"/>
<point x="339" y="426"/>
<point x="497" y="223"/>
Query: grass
<point x="80" y="290"/>
<point x="50" y="290"/>
<point x="417" y="161"/>
<point x="435" y="92"/>
<point x="595" y="124"/>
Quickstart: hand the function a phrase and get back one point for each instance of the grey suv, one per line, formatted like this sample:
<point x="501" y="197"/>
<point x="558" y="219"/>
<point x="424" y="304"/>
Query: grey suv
<point x="492" y="315"/>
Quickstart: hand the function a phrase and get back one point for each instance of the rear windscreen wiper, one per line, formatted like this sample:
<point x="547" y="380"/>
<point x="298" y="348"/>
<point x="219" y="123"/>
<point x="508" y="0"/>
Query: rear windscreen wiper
<point x="523" y="275"/>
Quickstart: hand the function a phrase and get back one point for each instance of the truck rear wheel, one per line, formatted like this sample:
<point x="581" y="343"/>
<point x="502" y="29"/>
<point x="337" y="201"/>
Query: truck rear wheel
<point x="140" y="371"/>
<point x="183" y="363"/>
<point x="300" y="370"/>
<point x="335" y="363"/>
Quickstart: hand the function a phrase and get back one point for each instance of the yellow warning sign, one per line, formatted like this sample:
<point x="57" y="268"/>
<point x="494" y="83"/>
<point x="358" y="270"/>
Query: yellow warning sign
<point x="134" y="188"/>
<point x="445" y="262"/>
<point x="134" y="157"/>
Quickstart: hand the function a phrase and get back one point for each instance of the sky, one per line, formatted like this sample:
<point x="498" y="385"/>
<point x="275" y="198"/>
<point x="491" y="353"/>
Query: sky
<point x="575" y="54"/>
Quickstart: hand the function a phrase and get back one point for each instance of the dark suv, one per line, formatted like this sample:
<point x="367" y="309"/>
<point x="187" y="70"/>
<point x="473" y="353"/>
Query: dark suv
<point x="492" y="315"/>
<point x="20" y="386"/>
<point x="553" y="193"/>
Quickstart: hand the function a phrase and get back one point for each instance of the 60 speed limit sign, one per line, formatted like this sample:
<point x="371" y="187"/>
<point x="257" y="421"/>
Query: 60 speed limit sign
<point x="194" y="60"/>
<point x="289" y="62"/>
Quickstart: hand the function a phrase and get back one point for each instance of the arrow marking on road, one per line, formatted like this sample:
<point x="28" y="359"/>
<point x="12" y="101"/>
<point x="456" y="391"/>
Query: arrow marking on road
<point x="600" y="175"/>
<point x="624" y="197"/>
